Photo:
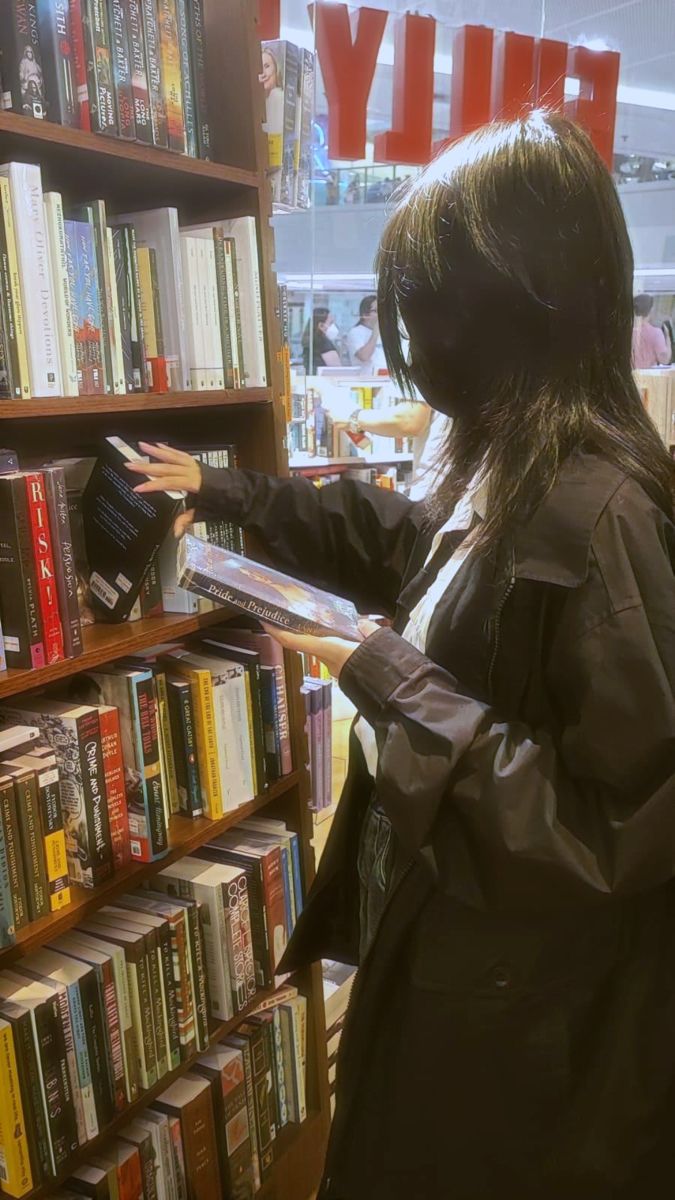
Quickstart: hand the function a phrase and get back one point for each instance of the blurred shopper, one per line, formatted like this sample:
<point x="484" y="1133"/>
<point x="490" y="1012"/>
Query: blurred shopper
<point x="650" y="348"/>
<point x="319" y="341"/>
<point x="363" y="341"/>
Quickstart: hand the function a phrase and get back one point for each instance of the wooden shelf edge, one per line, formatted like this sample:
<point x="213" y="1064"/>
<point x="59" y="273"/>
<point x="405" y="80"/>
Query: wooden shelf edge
<point x="46" y="133"/>
<point x="186" y="835"/>
<point x="219" y="1031"/>
<point x="78" y="406"/>
<point x="104" y="643"/>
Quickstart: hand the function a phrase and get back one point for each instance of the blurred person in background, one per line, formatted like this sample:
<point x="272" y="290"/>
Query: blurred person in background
<point x="650" y="348"/>
<point x="319" y="341"/>
<point x="363" y="340"/>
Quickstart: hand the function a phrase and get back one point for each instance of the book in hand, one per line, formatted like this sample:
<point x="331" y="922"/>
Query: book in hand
<point x="123" y="530"/>
<point x="262" y="592"/>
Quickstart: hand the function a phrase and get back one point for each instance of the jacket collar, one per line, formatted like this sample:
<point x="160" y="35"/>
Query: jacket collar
<point x="554" y="545"/>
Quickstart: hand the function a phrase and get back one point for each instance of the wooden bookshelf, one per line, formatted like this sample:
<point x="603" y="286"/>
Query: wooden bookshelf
<point x="135" y="402"/>
<point x="129" y="177"/>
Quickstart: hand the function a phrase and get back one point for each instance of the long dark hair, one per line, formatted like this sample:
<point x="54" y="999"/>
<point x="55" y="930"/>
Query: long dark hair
<point x="311" y="327"/>
<point x="508" y="265"/>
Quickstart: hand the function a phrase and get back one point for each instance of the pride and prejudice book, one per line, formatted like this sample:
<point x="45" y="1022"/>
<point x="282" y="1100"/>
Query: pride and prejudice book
<point x="258" y="590"/>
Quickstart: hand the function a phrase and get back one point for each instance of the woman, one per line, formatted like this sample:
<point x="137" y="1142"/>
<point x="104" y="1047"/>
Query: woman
<point x="502" y="859"/>
<point x="318" y="341"/>
<point x="273" y="86"/>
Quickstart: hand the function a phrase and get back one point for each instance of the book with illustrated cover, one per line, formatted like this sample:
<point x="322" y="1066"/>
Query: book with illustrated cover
<point x="57" y="62"/>
<point x="23" y="84"/>
<point x="262" y="592"/>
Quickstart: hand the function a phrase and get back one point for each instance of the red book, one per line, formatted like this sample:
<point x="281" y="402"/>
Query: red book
<point x="44" y="567"/>
<point x="80" y="63"/>
<point x="113" y="769"/>
<point x="129" y="1170"/>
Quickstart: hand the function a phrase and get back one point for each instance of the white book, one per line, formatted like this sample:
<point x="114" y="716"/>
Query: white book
<point x="157" y="228"/>
<point x="217" y="376"/>
<point x="63" y="302"/>
<point x="36" y="283"/>
<point x="243" y="230"/>
<point x="192" y="308"/>
<point x="116" y="350"/>
<point x="203" y="881"/>
<point x="298" y="1010"/>
<point x="157" y="1125"/>
<point x="232" y="728"/>
<point x="237" y="365"/>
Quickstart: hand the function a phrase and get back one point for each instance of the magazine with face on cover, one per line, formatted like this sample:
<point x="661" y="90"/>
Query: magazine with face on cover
<point x="262" y="592"/>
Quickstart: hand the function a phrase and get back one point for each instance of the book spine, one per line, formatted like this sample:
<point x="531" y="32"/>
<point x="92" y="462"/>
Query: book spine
<point x="195" y="11"/>
<point x="287" y="1047"/>
<point x="113" y="770"/>
<point x="171" y="781"/>
<point x="102" y="104"/>
<point x="299" y="1009"/>
<point x="129" y="1051"/>
<point x="160" y="369"/>
<point x="234" y="311"/>
<point x="117" y="349"/>
<point x="223" y="309"/>
<point x="93" y="1006"/>
<point x="101" y="277"/>
<point x="10" y="344"/>
<point x="138" y="341"/>
<point x="83" y="1084"/>
<point x="22" y="625"/>
<point x="187" y="765"/>
<point x="263" y="1115"/>
<point x="157" y="1001"/>
<point x="236" y="947"/>
<point x="29" y="1079"/>
<point x="125" y="305"/>
<point x="53" y="836"/>
<point x="269" y="711"/>
<point x="91" y="326"/>
<point x="71" y="1060"/>
<point x="185" y="992"/>
<point x="199" y="974"/>
<point x="243" y="1045"/>
<point x="139" y="76"/>
<point x="44" y="568"/>
<point x="98" y="862"/>
<point x="114" y="1038"/>
<point x="33" y="256"/>
<point x="63" y="305"/>
<point x="178" y="1157"/>
<point x="15" y="1166"/>
<point x="119" y="47"/>
<point x="14" y="861"/>
<point x="16" y="306"/>
<point x="55" y="1082"/>
<point x="31" y="844"/>
<point x="278" y="1048"/>
<point x="64" y="560"/>
<point x="7" y="921"/>
<point x="171" y="1004"/>
<point x="147" y="1029"/>
<point x="247" y="937"/>
<point x="171" y="74"/>
<point x="22" y="76"/>
<point x="79" y="64"/>
<point x="146" y="701"/>
<point x="153" y="56"/>
<point x="57" y="62"/>
<point x="75" y="284"/>
<point x="189" y="114"/>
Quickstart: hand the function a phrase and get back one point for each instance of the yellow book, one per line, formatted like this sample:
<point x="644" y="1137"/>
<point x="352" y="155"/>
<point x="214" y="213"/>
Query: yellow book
<point x="15" y="282"/>
<point x="201" y="687"/>
<point x="15" y="1173"/>
<point x="147" y="302"/>
<point x="258" y="783"/>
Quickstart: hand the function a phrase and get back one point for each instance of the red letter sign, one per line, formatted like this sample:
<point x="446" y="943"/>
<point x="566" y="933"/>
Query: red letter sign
<point x="471" y="83"/>
<point x="551" y="70"/>
<point x="409" y="139"/>
<point x="598" y="75"/>
<point x="347" y="67"/>
<point x="512" y="76"/>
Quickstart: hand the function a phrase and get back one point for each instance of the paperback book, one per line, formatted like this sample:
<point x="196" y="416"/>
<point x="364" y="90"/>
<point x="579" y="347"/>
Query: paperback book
<point x="262" y="592"/>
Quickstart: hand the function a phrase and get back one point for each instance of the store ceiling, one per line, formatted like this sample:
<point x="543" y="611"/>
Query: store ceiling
<point x="642" y="30"/>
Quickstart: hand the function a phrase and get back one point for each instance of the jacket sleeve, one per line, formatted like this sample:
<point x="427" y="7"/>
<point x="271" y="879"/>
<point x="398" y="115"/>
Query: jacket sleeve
<point x="349" y="538"/>
<point x="501" y="815"/>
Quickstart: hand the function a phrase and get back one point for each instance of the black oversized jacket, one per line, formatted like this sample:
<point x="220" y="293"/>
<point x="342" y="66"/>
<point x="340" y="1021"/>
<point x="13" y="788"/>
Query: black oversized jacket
<point x="513" y="1027"/>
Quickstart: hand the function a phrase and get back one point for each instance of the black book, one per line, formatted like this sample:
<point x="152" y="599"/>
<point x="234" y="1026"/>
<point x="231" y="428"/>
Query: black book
<point x="56" y="493"/>
<point x="121" y="60"/>
<point x="9" y="819"/>
<point x="100" y="73"/>
<point x="195" y="13"/>
<point x="23" y="81"/>
<point x="181" y="717"/>
<point x="153" y="59"/>
<point x="123" y="530"/>
<point x="139" y="72"/>
<point x="21" y="622"/>
<point x="125" y="301"/>
<point x="250" y="659"/>
<point x="134" y="291"/>
<point x="56" y="47"/>
<point x="29" y="1081"/>
<point x="189" y="116"/>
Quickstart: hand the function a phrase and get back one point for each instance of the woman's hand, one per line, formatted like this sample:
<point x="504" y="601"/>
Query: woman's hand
<point x="175" y="471"/>
<point x="333" y="652"/>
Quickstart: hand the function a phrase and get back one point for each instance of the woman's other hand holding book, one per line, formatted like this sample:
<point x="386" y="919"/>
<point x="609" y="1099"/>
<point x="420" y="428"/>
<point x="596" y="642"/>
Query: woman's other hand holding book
<point x="333" y="652"/>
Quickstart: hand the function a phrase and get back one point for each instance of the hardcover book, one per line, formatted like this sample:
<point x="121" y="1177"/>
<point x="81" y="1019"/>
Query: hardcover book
<point x="23" y="84"/>
<point x="121" y="59"/>
<point x="22" y="623"/>
<point x="262" y="592"/>
<point x="57" y="62"/>
<point x="64" y="559"/>
<point x="100" y="73"/>
<point x="139" y="75"/>
<point x="123" y="530"/>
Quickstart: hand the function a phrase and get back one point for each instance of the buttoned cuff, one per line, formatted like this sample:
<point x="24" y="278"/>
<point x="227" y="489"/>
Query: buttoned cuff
<point x="378" y="666"/>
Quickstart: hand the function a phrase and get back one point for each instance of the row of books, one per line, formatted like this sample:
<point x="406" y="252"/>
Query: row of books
<point x="133" y="69"/>
<point x="196" y="730"/>
<point x="72" y="533"/>
<point x="288" y="79"/>
<point x="109" y="1009"/>
<point x="130" y="303"/>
